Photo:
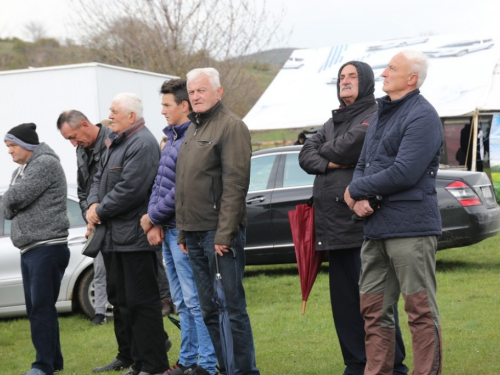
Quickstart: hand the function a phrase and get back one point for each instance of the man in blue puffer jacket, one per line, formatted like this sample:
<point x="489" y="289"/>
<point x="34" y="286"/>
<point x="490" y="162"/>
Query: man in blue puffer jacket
<point x="197" y="354"/>
<point x="399" y="161"/>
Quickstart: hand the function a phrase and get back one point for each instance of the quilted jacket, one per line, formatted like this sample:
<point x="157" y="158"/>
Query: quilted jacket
<point x="399" y="161"/>
<point x="161" y="208"/>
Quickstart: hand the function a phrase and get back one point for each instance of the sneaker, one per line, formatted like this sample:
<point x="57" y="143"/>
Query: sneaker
<point x="198" y="371"/>
<point x="167" y="307"/>
<point x="179" y="369"/>
<point x="98" y="319"/>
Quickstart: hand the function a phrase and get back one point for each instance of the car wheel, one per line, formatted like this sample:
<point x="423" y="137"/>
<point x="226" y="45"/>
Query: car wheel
<point x="461" y="53"/>
<point x="86" y="297"/>
<point x="86" y="292"/>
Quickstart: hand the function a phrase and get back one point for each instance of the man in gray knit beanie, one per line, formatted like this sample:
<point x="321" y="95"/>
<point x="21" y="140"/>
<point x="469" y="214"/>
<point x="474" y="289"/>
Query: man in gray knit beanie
<point x="36" y="204"/>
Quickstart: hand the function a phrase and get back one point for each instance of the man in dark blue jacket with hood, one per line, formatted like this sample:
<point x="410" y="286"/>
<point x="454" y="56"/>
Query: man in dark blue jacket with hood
<point x="399" y="162"/>
<point x="331" y="155"/>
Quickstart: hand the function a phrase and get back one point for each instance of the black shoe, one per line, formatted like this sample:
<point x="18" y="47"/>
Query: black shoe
<point x="98" y="319"/>
<point x="115" y="364"/>
<point x="131" y="371"/>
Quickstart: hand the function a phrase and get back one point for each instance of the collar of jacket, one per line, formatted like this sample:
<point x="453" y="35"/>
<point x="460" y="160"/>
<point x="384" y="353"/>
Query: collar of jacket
<point x="347" y="112"/>
<point x="180" y="129"/>
<point x="99" y="143"/>
<point x="200" y="118"/>
<point x="385" y="104"/>
<point x="117" y="138"/>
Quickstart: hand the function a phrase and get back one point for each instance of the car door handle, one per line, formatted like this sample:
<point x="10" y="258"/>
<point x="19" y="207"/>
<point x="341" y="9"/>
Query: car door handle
<point x="77" y="241"/>
<point x="259" y="199"/>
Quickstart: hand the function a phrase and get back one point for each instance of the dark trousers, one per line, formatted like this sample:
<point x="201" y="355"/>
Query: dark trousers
<point x="344" y="270"/>
<point x="42" y="269"/>
<point x="162" y="277"/>
<point x="134" y="277"/>
<point x="124" y="353"/>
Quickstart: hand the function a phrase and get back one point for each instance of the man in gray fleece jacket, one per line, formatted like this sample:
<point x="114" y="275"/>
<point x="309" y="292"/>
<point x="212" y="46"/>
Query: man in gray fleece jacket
<point x="36" y="204"/>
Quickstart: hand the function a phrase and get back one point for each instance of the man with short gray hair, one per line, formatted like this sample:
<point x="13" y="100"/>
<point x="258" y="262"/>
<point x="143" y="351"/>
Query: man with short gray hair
<point x="118" y="198"/>
<point x="398" y="163"/>
<point x="212" y="178"/>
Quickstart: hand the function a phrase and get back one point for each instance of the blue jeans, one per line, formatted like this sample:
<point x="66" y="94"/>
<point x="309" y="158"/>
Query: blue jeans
<point x="202" y="256"/>
<point x="42" y="269"/>
<point x="195" y="339"/>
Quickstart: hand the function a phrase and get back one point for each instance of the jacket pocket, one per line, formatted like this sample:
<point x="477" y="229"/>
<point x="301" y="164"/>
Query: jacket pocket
<point x="215" y="192"/>
<point x="411" y="195"/>
<point x="125" y="228"/>
<point x="114" y="176"/>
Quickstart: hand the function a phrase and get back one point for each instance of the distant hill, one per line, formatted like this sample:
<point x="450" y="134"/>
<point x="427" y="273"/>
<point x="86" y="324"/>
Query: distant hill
<point x="276" y="56"/>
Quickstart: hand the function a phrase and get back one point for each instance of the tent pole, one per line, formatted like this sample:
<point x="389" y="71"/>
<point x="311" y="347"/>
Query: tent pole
<point x="475" y="121"/>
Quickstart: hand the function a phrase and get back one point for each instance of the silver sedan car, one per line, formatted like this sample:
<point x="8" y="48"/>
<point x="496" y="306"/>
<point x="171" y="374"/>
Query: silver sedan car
<point x="77" y="283"/>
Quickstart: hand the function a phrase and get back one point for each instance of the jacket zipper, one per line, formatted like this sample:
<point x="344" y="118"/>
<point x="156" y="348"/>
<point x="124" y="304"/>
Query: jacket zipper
<point x="168" y="153"/>
<point x="212" y="192"/>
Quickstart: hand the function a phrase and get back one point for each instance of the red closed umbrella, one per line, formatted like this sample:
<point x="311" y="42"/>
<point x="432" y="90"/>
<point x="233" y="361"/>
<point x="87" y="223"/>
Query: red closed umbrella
<point x="308" y="259"/>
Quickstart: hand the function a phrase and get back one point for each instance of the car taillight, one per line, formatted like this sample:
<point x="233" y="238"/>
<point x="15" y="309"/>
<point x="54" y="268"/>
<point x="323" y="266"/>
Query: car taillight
<point x="463" y="193"/>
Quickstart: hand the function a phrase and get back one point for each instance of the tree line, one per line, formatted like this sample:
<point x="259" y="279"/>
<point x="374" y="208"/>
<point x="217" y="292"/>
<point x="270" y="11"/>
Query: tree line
<point x="167" y="37"/>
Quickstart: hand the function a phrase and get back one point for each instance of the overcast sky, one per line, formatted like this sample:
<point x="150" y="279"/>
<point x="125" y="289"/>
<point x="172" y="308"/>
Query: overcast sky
<point x="311" y="23"/>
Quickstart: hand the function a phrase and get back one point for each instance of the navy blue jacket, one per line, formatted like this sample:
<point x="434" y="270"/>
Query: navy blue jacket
<point x="161" y="208"/>
<point x="399" y="160"/>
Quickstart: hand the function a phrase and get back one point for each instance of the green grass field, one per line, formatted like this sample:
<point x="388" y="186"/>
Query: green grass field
<point x="290" y="343"/>
<point x="495" y="176"/>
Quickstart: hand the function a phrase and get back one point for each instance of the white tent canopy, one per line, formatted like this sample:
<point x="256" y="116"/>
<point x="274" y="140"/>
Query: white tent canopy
<point x="463" y="76"/>
<point x="39" y="95"/>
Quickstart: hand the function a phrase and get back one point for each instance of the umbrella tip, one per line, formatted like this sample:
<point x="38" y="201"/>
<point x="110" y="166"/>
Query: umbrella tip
<point x="304" y="307"/>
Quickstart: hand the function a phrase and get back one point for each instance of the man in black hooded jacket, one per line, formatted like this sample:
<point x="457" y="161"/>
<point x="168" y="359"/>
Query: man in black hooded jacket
<point x="331" y="155"/>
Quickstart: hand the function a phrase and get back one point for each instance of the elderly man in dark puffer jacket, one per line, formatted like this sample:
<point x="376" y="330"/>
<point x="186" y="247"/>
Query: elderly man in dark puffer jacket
<point x="399" y="161"/>
<point x="331" y="155"/>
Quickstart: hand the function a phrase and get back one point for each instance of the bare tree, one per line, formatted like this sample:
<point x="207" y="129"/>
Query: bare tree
<point x="175" y="36"/>
<point x="35" y="31"/>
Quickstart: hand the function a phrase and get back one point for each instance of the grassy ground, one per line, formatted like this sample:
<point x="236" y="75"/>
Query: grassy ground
<point x="290" y="343"/>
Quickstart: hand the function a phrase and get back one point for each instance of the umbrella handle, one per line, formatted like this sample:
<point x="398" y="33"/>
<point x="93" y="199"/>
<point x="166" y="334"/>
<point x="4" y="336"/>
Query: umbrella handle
<point x="217" y="262"/>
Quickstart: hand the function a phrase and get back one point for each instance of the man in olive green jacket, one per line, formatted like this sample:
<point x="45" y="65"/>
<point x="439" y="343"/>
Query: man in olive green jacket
<point x="212" y="178"/>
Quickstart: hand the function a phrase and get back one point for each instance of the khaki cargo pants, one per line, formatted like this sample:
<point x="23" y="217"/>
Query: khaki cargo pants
<point x="390" y="267"/>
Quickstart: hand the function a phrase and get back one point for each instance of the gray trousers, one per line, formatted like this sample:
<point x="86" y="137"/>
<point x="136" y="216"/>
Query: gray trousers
<point x="391" y="267"/>
<point x="100" y="295"/>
